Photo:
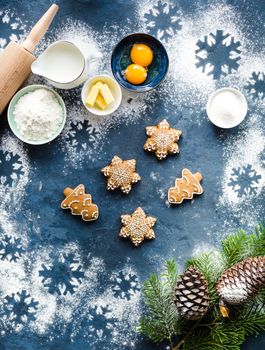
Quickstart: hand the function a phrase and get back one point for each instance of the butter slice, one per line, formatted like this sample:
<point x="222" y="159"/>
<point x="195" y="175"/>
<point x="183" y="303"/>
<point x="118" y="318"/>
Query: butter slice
<point x="106" y="93"/>
<point x="100" y="102"/>
<point x="93" y="93"/>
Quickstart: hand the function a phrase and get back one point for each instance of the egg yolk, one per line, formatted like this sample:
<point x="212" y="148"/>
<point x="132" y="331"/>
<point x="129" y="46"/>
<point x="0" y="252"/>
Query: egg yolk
<point x="135" y="74"/>
<point x="141" y="54"/>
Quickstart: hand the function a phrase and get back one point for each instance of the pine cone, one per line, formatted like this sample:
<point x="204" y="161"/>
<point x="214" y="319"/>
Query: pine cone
<point x="191" y="295"/>
<point x="242" y="281"/>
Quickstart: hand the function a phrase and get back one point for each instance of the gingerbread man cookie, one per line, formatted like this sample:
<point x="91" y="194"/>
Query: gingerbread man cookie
<point x="137" y="226"/>
<point x="185" y="187"/>
<point x="162" y="139"/>
<point x="121" y="174"/>
<point x="80" y="203"/>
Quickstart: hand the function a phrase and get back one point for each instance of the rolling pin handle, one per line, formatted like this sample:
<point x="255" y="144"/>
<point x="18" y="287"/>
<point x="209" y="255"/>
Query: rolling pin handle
<point x="40" y="29"/>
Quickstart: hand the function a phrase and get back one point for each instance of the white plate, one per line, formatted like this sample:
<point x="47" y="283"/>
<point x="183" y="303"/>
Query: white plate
<point x="114" y="88"/>
<point x="221" y="105"/>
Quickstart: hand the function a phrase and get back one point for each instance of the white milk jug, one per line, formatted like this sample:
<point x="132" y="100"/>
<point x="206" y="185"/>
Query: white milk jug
<point x="64" y="65"/>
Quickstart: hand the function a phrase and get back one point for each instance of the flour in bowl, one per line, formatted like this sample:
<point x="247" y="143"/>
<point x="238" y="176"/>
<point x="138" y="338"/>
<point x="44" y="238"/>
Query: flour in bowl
<point x="38" y="115"/>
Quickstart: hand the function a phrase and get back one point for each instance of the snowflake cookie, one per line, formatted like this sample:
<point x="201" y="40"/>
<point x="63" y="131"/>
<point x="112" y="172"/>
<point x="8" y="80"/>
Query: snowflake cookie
<point x="137" y="226"/>
<point x="80" y="203"/>
<point x="121" y="174"/>
<point x="162" y="139"/>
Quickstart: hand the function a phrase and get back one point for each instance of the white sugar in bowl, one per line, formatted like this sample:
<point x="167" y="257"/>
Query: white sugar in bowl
<point x="226" y="107"/>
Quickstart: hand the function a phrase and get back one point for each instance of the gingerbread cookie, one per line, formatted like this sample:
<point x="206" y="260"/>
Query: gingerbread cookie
<point x="80" y="203"/>
<point x="137" y="226"/>
<point x="162" y="139"/>
<point x="121" y="174"/>
<point x="185" y="187"/>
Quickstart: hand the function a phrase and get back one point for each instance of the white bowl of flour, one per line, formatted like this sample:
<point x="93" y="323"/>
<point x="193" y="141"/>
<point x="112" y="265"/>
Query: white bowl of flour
<point x="36" y="114"/>
<point x="226" y="108"/>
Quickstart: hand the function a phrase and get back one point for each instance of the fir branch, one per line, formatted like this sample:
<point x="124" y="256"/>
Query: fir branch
<point x="233" y="248"/>
<point x="256" y="242"/>
<point x="216" y="336"/>
<point x="251" y="317"/>
<point x="161" y="321"/>
<point x="171" y="273"/>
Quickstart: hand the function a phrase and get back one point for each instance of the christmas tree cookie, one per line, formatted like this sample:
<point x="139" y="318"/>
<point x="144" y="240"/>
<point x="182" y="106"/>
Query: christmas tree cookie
<point x="121" y="174"/>
<point x="162" y="139"/>
<point x="137" y="226"/>
<point x="80" y="203"/>
<point x="185" y="187"/>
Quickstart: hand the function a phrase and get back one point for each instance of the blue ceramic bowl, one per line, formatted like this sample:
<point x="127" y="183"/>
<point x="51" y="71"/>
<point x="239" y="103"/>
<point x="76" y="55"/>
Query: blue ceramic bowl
<point x="120" y="60"/>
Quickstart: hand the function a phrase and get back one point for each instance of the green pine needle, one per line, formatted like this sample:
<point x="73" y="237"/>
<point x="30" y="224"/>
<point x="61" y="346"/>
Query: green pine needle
<point x="161" y="321"/>
<point x="234" y="247"/>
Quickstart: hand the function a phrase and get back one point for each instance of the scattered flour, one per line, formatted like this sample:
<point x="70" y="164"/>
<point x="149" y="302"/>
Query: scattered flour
<point x="12" y="22"/>
<point x="243" y="179"/>
<point x="89" y="302"/>
<point x="186" y="86"/>
<point x="64" y="295"/>
<point x="15" y="171"/>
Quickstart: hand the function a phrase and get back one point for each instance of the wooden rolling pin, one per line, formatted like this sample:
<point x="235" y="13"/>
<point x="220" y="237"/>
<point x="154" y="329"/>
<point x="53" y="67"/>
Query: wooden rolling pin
<point x="15" y="60"/>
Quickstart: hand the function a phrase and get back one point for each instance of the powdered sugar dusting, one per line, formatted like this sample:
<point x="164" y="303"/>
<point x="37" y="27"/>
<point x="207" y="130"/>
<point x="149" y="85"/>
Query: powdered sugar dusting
<point x="186" y="84"/>
<point x="15" y="167"/>
<point x="244" y="173"/>
<point x="12" y="23"/>
<point x="189" y="85"/>
<point x="63" y="289"/>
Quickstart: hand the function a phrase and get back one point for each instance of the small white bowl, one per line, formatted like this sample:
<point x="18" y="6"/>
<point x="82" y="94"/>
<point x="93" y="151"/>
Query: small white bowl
<point x="12" y="123"/>
<point x="222" y="103"/>
<point x="114" y="88"/>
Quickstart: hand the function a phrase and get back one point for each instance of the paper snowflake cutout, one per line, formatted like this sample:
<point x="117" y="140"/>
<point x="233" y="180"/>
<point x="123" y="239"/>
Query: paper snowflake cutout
<point x="19" y="308"/>
<point x="63" y="276"/>
<point x="121" y="174"/>
<point x="163" y="20"/>
<point x="12" y="27"/>
<point x="162" y="139"/>
<point x="11" y="168"/>
<point x="256" y="85"/>
<point x="82" y="135"/>
<point x="244" y="180"/>
<point x="125" y="286"/>
<point x="100" y="323"/>
<point x="218" y="54"/>
<point x="10" y="248"/>
<point x="137" y="226"/>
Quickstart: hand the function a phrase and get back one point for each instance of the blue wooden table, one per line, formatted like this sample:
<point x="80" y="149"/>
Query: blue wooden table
<point x="66" y="284"/>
